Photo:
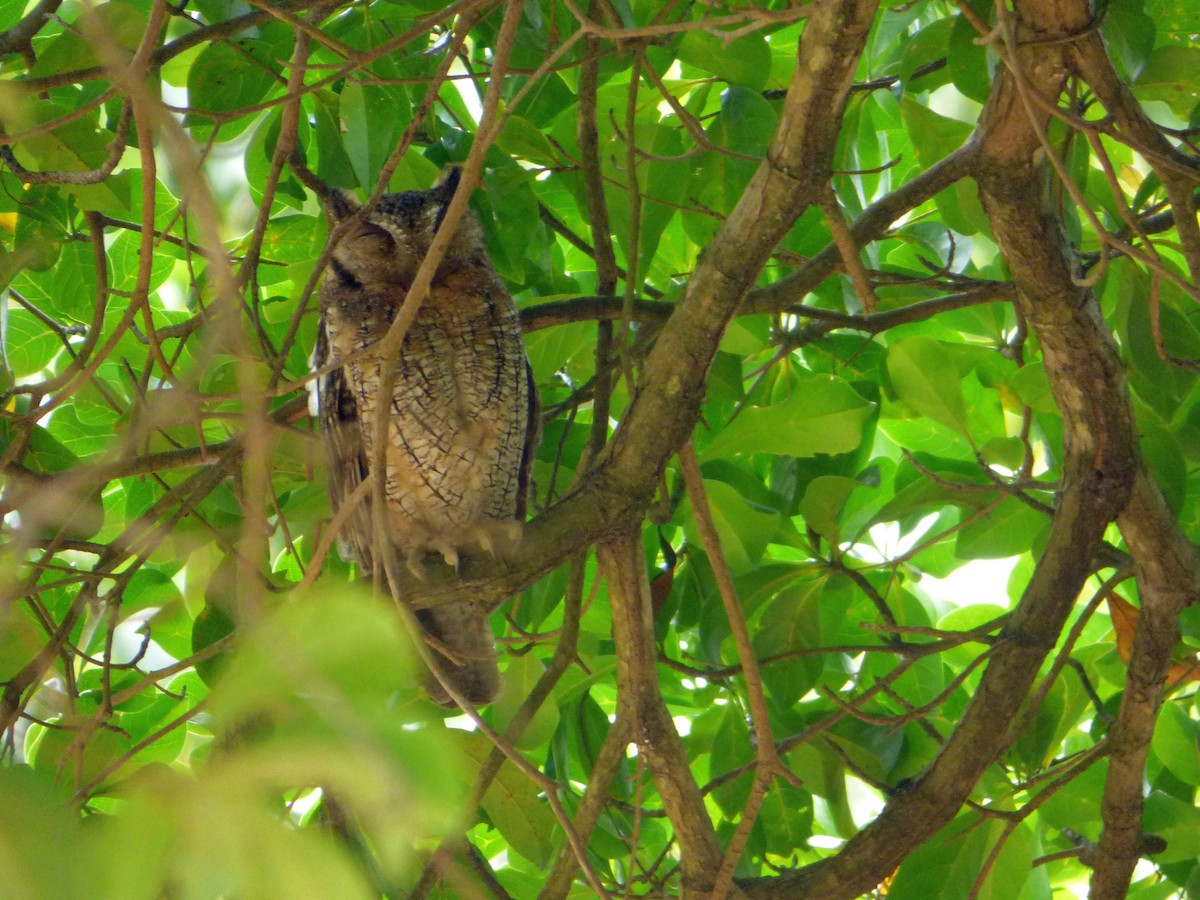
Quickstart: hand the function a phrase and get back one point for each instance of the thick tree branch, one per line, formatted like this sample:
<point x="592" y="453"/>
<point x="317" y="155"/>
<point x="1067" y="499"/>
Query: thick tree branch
<point x="1087" y="380"/>
<point x="1167" y="567"/>
<point x="641" y="705"/>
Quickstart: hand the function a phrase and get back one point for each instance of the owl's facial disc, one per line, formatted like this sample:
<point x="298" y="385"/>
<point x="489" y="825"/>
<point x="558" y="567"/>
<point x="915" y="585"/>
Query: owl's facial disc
<point x="369" y="253"/>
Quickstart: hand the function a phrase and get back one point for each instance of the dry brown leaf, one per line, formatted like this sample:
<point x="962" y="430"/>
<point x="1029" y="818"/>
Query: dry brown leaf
<point x="1124" y="618"/>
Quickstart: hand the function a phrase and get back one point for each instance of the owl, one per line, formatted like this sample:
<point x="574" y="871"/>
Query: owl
<point x="462" y="412"/>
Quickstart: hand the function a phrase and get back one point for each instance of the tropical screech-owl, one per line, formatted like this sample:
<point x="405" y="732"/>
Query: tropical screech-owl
<point x="463" y="408"/>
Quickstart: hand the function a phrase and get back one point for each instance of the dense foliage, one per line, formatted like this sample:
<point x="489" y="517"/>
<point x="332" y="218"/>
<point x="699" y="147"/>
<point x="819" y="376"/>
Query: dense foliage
<point x="825" y="303"/>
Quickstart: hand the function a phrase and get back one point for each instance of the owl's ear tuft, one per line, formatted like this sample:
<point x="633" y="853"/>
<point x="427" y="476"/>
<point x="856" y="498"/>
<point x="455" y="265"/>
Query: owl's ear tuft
<point x="449" y="183"/>
<point x="339" y="205"/>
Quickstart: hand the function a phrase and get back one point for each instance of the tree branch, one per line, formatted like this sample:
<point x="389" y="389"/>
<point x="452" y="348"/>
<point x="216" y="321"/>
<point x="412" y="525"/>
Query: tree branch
<point x="640" y="703"/>
<point x="1167" y="568"/>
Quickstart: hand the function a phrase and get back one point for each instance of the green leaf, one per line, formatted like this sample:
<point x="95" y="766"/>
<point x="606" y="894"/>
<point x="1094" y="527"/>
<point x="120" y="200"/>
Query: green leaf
<point x="68" y="291"/>
<point x="1174" y="743"/>
<point x="730" y="751"/>
<point x="47" y="454"/>
<point x="112" y="196"/>
<point x="218" y="836"/>
<point x="791" y="622"/>
<point x="786" y="818"/>
<point x="1006" y="530"/>
<point x="149" y="586"/>
<point x="374" y="117"/>
<point x="745" y="61"/>
<point x="1172" y="75"/>
<point x="10" y="15"/>
<point x="928" y="379"/>
<point x="928" y="45"/>
<point x="518" y="681"/>
<point x="39" y="236"/>
<point x="294" y="239"/>
<point x="124" y="255"/>
<point x="821" y="414"/>
<point x="123" y="23"/>
<point x="1175" y="19"/>
<point x="20" y="640"/>
<point x="42" y="851"/>
<point x="746" y="123"/>
<point x="514" y="806"/>
<point x="870" y="748"/>
<point x="333" y="165"/>
<point x="57" y="749"/>
<point x="1176" y="821"/>
<point x="744" y="530"/>
<point x="76" y="146"/>
<point x="228" y="77"/>
<point x="1128" y="32"/>
<point x="948" y="865"/>
<point x="822" y="502"/>
<point x="29" y="345"/>
<point x="354" y="646"/>
<point x="1164" y="458"/>
<point x="1032" y="389"/>
<point x="934" y="136"/>
<point x="1008" y="452"/>
<point x="967" y="61"/>
<point x="523" y="139"/>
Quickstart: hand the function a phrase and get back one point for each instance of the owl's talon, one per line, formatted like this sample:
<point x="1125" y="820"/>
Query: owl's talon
<point x="450" y="555"/>
<point x="415" y="565"/>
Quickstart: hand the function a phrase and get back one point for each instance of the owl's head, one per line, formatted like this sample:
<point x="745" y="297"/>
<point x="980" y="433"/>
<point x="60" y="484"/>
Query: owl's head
<point x="388" y="244"/>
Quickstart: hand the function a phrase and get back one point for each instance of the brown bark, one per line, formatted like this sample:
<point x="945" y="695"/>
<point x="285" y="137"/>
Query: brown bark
<point x="1087" y="379"/>
<point x="641" y="705"/>
<point x="1167" y="567"/>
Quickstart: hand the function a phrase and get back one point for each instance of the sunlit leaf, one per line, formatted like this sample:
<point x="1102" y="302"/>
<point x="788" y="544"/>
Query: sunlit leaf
<point x="822" y="415"/>
<point x="927" y="378"/>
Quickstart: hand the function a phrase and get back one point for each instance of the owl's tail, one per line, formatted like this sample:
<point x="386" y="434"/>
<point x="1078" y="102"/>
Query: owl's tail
<point x="463" y="630"/>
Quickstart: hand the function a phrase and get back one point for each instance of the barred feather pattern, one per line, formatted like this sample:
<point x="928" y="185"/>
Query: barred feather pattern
<point x="462" y="413"/>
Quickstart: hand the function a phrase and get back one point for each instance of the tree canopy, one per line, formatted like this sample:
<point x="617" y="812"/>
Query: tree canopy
<point x="830" y="306"/>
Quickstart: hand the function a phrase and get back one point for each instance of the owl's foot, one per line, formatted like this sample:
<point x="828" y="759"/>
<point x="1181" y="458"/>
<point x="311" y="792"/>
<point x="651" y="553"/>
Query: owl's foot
<point x="486" y="544"/>
<point x="415" y="564"/>
<point x="450" y="555"/>
<point x="498" y="537"/>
